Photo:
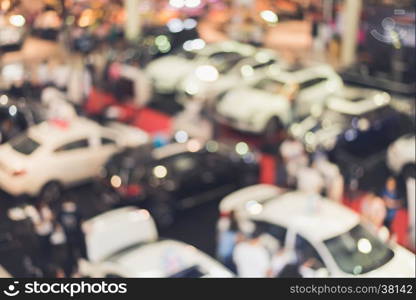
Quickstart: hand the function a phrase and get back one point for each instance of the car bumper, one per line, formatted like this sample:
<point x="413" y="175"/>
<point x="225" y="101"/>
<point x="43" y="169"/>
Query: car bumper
<point x="13" y="186"/>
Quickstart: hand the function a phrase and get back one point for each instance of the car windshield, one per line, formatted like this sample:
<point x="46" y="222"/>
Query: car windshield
<point x="269" y="85"/>
<point x="358" y="251"/>
<point x="24" y="144"/>
<point x="224" y="61"/>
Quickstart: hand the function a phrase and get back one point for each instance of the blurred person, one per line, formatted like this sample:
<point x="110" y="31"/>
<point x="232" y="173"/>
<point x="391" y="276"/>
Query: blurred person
<point x="282" y="258"/>
<point x="70" y="219"/>
<point x="43" y="219"/>
<point x="374" y="211"/>
<point x="58" y="106"/>
<point x="333" y="179"/>
<point x="312" y="268"/>
<point x="294" y="158"/>
<point x="79" y="82"/>
<point x="60" y="75"/>
<point x="227" y="240"/>
<point x="310" y="180"/>
<point x="58" y="241"/>
<point x="251" y="258"/>
<point x="391" y="200"/>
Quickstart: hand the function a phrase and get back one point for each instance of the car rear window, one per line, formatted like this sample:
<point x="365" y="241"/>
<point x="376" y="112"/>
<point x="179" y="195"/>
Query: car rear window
<point x="24" y="144"/>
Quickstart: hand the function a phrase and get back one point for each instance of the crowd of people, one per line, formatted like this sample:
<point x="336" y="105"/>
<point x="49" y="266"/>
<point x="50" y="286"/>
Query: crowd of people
<point x="56" y="239"/>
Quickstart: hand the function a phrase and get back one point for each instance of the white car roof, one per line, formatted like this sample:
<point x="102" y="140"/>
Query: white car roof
<point x="239" y="199"/>
<point x="117" y="229"/>
<point x="227" y="46"/>
<point x="52" y="132"/>
<point x="166" y="258"/>
<point x="56" y="132"/>
<point x="353" y="101"/>
<point x="292" y="210"/>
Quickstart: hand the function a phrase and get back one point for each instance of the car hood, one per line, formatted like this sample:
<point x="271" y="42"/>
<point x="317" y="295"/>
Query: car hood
<point x="164" y="258"/>
<point x="401" y="265"/>
<point x="171" y="68"/>
<point x="246" y="102"/>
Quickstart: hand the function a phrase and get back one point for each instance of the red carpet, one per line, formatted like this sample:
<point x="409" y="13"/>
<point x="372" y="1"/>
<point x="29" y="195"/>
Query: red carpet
<point x="97" y="101"/>
<point x="399" y="227"/>
<point x="153" y="122"/>
<point x="267" y="169"/>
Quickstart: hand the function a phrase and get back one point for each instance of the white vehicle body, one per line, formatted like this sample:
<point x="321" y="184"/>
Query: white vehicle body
<point x="328" y="220"/>
<point x="123" y="243"/>
<point x="246" y="71"/>
<point x="333" y="119"/>
<point x="167" y="72"/>
<point x="401" y="153"/>
<point x="63" y="152"/>
<point x="251" y="108"/>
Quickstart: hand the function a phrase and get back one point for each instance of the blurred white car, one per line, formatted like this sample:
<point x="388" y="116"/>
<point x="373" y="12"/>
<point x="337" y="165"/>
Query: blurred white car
<point x="401" y="155"/>
<point x="327" y="232"/>
<point x="265" y="105"/>
<point x="57" y="154"/>
<point x="124" y="243"/>
<point x="199" y="84"/>
<point x="208" y="61"/>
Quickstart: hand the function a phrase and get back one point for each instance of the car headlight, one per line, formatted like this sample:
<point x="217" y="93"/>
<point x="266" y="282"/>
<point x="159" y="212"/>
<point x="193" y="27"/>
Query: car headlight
<point x="192" y="88"/>
<point x="207" y="73"/>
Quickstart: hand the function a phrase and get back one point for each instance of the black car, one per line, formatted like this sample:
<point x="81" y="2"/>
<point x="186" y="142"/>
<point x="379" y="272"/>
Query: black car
<point x="360" y="150"/>
<point x="159" y="41"/>
<point x="18" y="115"/>
<point x="355" y="129"/>
<point x="178" y="176"/>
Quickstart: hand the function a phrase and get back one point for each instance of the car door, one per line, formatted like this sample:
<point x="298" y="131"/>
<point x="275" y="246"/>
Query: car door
<point x="186" y="173"/>
<point x="103" y="147"/>
<point x="311" y="91"/>
<point x="71" y="161"/>
<point x="217" y="173"/>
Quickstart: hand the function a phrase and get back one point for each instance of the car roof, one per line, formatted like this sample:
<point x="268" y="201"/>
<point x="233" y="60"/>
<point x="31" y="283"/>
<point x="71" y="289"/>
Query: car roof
<point x="227" y="46"/>
<point x="117" y="229"/>
<point x="56" y="131"/>
<point x="293" y="210"/>
<point x="358" y="101"/>
<point x="162" y="259"/>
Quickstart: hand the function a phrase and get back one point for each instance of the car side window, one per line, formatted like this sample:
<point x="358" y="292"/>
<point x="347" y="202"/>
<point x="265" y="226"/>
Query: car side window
<point x="305" y="251"/>
<point x="107" y="141"/>
<point x="311" y="82"/>
<point x="276" y="231"/>
<point x="76" y="145"/>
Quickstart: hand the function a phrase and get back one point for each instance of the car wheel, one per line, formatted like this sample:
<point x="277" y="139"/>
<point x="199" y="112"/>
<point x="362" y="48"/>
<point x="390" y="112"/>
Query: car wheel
<point x="162" y="212"/>
<point x="273" y="127"/>
<point x="50" y="193"/>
